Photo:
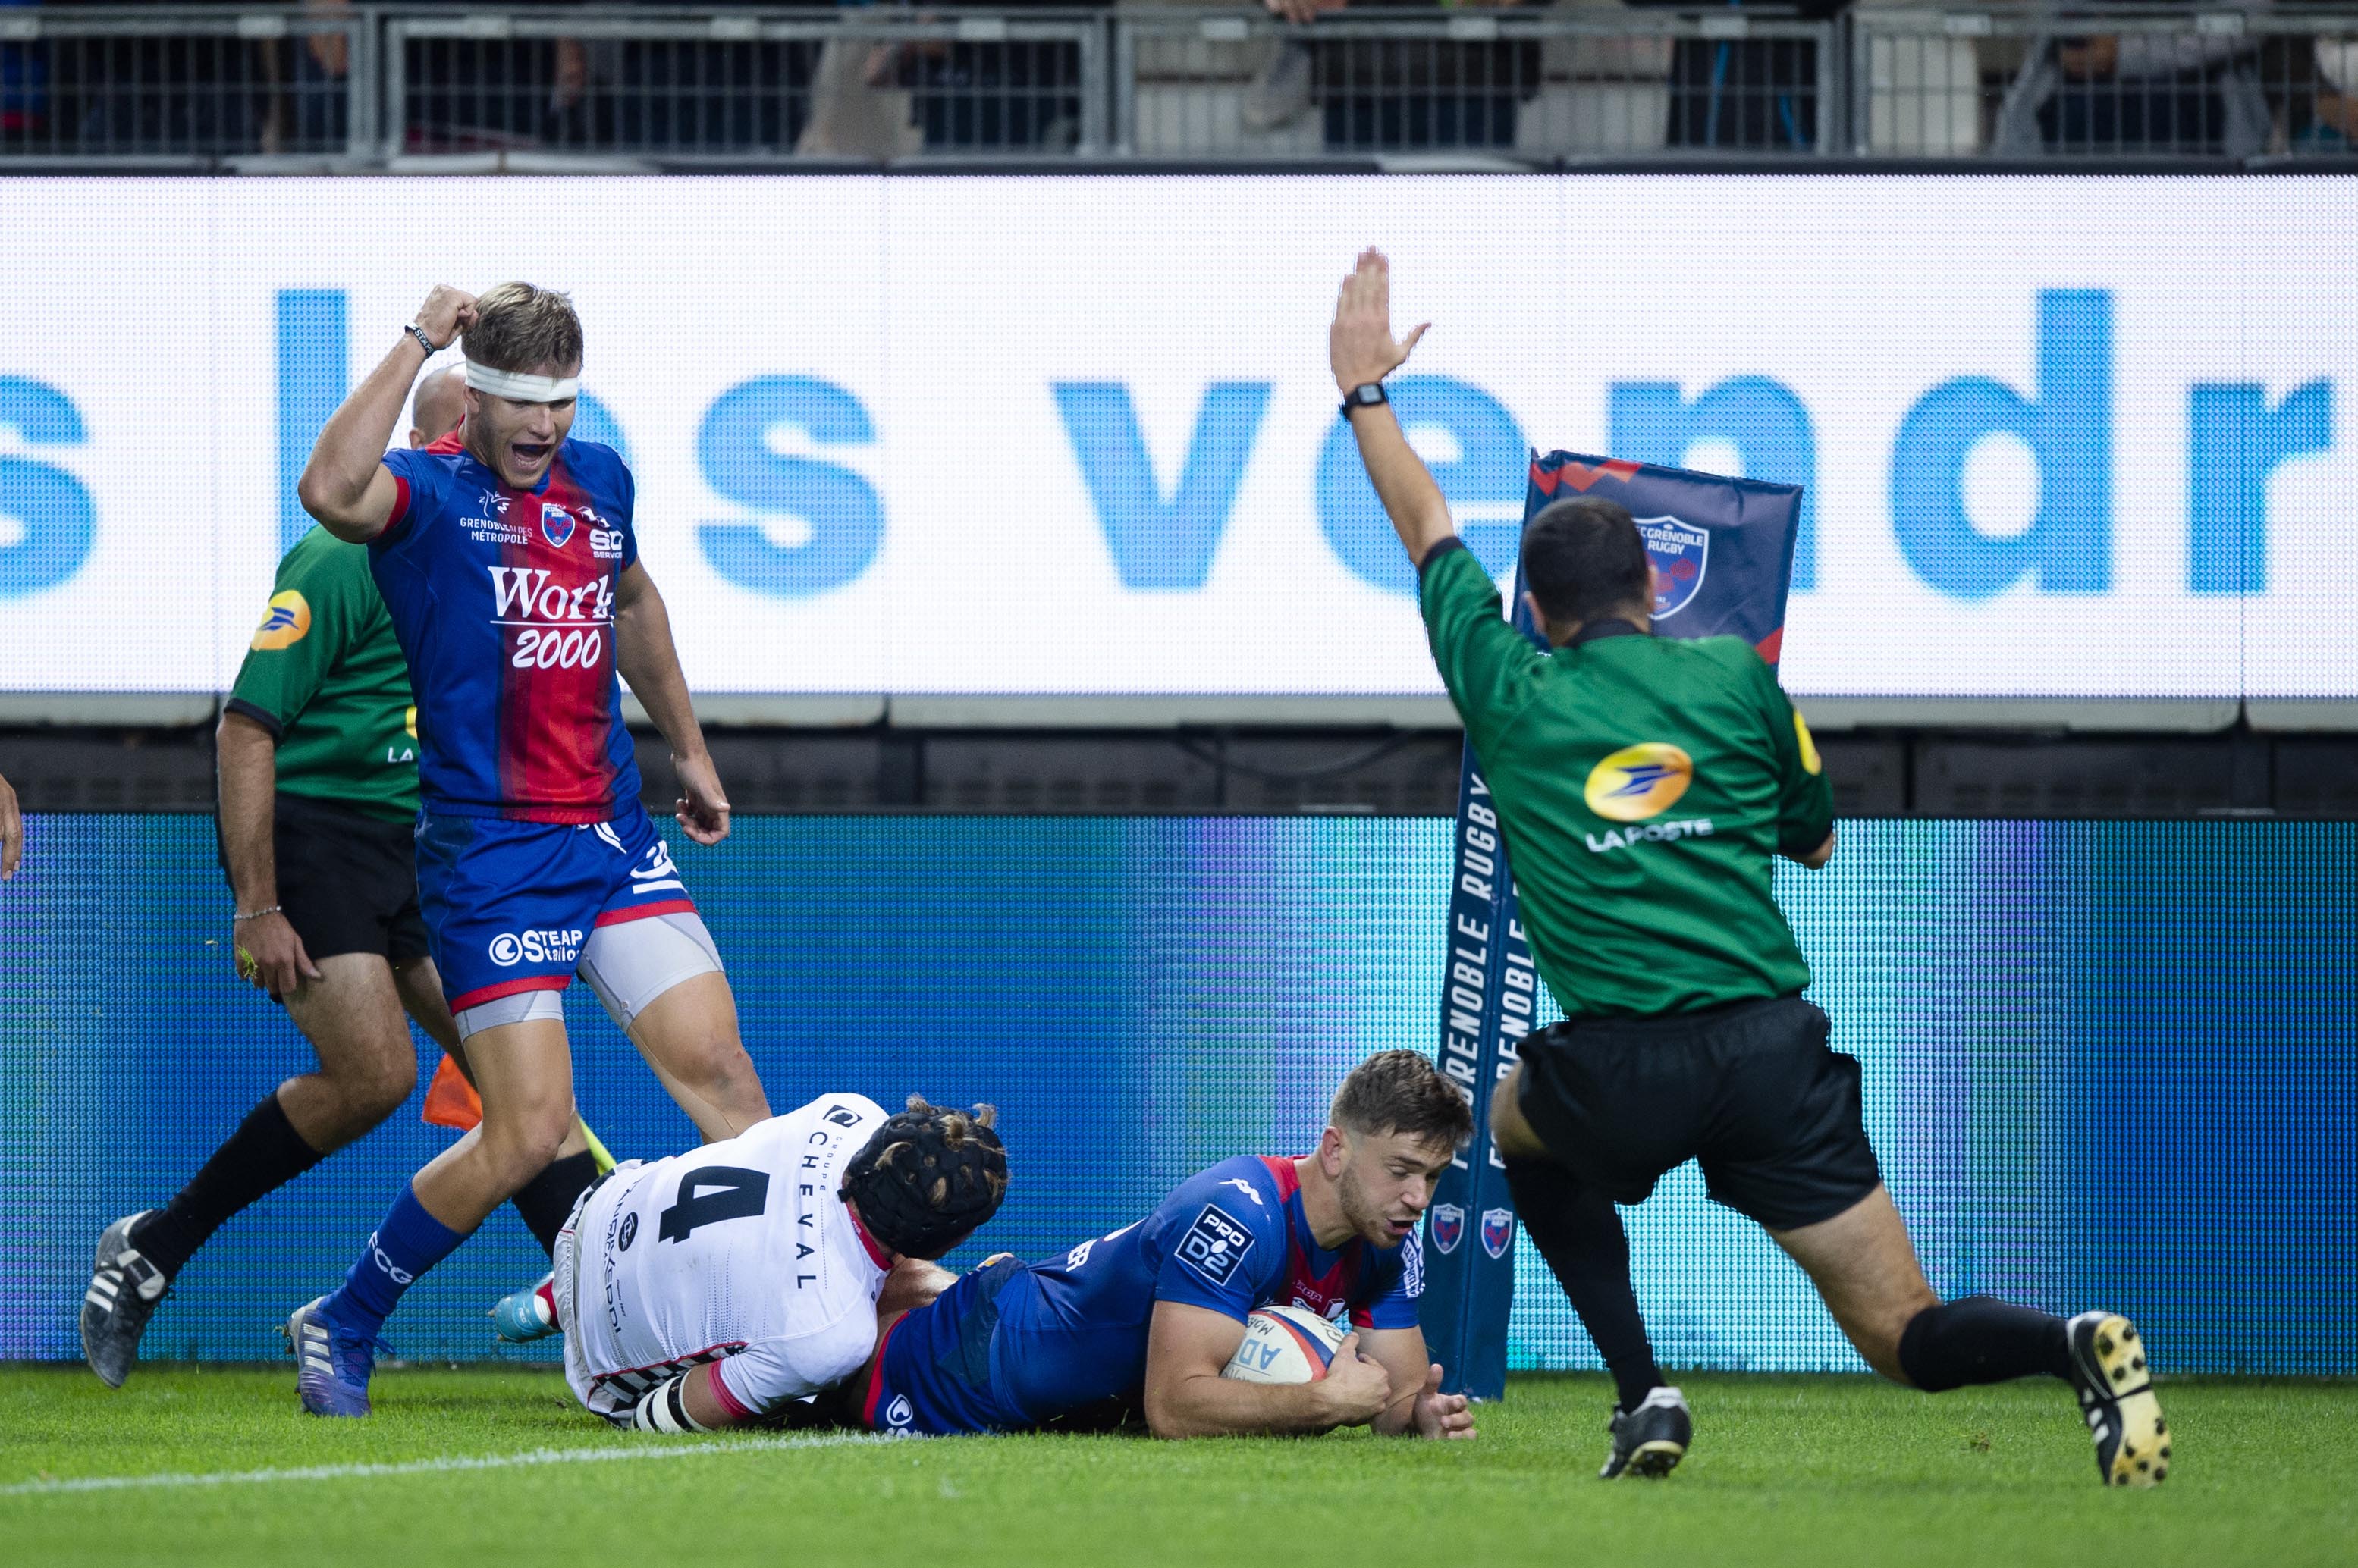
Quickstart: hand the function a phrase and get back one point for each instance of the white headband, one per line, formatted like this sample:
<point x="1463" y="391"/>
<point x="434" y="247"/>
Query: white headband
<point x="518" y="387"/>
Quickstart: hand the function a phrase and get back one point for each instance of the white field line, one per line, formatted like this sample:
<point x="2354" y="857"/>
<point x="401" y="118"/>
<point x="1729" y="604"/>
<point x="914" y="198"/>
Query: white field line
<point x="443" y="1466"/>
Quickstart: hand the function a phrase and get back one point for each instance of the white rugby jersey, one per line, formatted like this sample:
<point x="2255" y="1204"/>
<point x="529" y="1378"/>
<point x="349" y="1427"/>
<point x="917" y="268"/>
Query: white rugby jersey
<point x="738" y="1252"/>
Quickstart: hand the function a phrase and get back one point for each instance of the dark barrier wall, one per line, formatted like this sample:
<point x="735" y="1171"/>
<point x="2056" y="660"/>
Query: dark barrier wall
<point x="2107" y="1063"/>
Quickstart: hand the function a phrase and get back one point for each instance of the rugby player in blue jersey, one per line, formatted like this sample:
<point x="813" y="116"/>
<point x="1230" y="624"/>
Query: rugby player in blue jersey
<point x="509" y="565"/>
<point x="1144" y="1320"/>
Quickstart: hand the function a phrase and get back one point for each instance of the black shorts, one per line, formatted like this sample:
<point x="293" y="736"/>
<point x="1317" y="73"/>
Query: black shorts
<point x="347" y="881"/>
<point x="1750" y="1091"/>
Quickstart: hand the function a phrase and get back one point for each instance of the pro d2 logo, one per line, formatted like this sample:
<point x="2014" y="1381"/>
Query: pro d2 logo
<point x="1215" y="1244"/>
<point x="1680" y="552"/>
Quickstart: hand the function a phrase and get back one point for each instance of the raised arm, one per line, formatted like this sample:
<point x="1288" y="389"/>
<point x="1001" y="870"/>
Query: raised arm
<point x="1361" y="351"/>
<point x="643" y="651"/>
<point x="1186" y="1397"/>
<point x="346" y="485"/>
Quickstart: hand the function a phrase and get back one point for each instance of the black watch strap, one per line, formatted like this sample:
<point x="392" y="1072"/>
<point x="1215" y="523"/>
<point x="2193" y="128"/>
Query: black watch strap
<point x="1365" y="395"/>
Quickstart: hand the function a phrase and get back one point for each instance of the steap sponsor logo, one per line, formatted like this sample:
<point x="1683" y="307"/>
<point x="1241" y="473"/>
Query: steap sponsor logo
<point x="512" y="947"/>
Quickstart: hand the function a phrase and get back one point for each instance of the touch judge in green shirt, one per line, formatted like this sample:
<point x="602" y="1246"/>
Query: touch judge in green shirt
<point x="1643" y="787"/>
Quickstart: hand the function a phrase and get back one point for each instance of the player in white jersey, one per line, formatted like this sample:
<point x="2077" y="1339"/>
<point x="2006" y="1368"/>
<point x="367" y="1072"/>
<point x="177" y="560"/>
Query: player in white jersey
<point x="712" y="1288"/>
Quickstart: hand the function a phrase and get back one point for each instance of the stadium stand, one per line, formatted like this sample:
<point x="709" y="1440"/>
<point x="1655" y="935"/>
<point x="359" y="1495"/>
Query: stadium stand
<point x="1482" y="85"/>
<point x="336" y="86"/>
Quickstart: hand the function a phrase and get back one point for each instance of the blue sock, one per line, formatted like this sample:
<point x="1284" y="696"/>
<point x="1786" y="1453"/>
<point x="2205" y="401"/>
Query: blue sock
<point x="409" y="1242"/>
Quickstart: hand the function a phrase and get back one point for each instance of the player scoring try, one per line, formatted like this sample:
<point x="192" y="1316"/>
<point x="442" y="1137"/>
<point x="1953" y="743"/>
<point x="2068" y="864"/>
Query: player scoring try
<point x="1147" y="1317"/>
<point x="510" y="570"/>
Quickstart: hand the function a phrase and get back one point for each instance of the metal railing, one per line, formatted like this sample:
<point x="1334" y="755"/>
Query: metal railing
<point x="2221" y="81"/>
<point x="196" y="82"/>
<point x="862" y="82"/>
<point x="379" y="85"/>
<point x="1595" y="81"/>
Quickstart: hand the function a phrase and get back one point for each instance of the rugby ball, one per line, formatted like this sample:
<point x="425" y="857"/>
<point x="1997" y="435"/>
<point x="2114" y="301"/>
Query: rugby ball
<point x="1285" y="1345"/>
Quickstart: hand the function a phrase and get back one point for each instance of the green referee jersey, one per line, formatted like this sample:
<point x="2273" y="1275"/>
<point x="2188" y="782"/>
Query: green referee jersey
<point x="1644" y="785"/>
<point x="325" y="677"/>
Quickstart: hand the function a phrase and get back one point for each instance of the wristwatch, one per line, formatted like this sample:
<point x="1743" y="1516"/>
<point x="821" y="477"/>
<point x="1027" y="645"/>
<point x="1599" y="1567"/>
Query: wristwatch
<point x="1365" y="395"/>
<point x="418" y="333"/>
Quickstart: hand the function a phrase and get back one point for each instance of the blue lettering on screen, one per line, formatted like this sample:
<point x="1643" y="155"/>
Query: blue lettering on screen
<point x="2234" y="441"/>
<point x="2068" y="427"/>
<point x="1490" y="470"/>
<point x="313" y="363"/>
<point x="842" y="511"/>
<point x="1160" y="545"/>
<point x="1163" y="542"/>
<point x="1762" y="419"/>
<point x="594" y="421"/>
<point x="55" y="520"/>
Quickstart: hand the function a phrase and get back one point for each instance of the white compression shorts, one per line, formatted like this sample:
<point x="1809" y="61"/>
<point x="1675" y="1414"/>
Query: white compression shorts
<point x="628" y="964"/>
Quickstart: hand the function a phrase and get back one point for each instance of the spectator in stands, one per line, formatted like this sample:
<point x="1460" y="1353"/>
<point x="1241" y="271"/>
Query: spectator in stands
<point x="1405" y="94"/>
<point x="2305" y="77"/>
<point x="857" y="107"/>
<point x="2180" y="91"/>
<point x="1747" y="94"/>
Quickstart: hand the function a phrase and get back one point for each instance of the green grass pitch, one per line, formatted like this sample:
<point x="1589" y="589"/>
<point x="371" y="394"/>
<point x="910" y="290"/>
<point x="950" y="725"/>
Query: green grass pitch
<point x="496" y="1466"/>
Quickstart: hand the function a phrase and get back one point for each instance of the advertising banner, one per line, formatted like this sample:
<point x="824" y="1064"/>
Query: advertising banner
<point x="1045" y="437"/>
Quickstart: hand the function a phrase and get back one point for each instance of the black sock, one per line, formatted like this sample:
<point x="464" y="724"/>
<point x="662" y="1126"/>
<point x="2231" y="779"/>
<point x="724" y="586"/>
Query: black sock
<point x="1578" y="1231"/>
<point x="547" y="1198"/>
<point x="1981" y="1339"/>
<point x="263" y="1154"/>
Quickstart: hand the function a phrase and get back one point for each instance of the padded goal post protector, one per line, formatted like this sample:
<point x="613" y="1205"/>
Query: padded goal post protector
<point x="1724" y="548"/>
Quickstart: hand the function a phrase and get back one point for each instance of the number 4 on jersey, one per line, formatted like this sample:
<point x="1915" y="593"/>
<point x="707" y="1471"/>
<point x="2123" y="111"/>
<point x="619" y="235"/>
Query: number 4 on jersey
<point x="735" y="1193"/>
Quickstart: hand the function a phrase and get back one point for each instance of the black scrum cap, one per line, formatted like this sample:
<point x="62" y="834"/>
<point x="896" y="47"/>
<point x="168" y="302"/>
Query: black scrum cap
<point x="929" y="1178"/>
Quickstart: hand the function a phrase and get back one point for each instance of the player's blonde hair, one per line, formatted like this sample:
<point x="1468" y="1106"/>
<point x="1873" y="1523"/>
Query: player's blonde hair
<point x="519" y="327"/>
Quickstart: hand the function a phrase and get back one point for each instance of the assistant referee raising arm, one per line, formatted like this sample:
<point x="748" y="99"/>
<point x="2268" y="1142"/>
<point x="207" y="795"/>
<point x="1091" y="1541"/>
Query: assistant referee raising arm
<point x="1645" y="787"/>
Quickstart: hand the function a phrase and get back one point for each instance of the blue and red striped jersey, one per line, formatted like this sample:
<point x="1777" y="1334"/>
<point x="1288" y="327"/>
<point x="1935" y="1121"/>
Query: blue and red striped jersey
<point x="1229" y="1239"/>
<point x="503" y="602"/>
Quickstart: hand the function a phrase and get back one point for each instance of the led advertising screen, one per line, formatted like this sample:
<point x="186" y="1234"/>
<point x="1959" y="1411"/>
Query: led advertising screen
<point x="2048" y="1015"/>
<point x="907" y="436"/>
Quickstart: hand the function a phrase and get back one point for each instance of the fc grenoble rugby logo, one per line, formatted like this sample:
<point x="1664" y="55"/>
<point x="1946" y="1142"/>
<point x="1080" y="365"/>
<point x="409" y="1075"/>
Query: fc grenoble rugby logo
<point x="1497" y="1230"/>
<point x="556" y="523"/>
<point x="1448" y="1224"/>
<point x="1680" y="552"/>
